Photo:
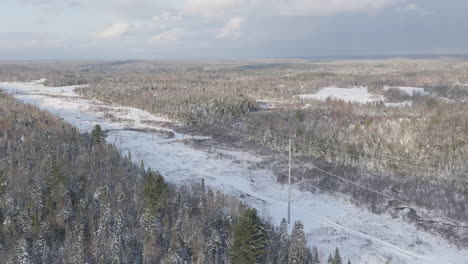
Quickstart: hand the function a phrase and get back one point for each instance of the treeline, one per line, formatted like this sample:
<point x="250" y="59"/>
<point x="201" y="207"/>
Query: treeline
<point x="67" y="197"/>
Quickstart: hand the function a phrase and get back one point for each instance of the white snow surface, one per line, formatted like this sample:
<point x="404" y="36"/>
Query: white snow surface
<point x="329" y="221"/>
<point x="402" y="104"/>
<point x="411" y="91"/>
<point x="458" y="83"/>
<point x="354" y="94"/>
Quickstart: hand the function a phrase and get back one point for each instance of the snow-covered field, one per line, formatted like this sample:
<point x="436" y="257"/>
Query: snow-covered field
<point x="329" y="221"/>
<point x="354" y="94"/>
<point x="402" y="104"/>
<point x="361" y="95"/>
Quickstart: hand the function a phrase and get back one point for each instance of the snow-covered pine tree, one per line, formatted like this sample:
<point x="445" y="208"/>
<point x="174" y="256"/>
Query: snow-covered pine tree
<point x="284" y="242"/>
<point x="315" y="256"/>
<point x="298" y="251"/>
<point x="337" y="259"/>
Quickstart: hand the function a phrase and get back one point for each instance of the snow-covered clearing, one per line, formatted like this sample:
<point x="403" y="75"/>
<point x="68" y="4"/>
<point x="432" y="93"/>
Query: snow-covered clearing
<point x="402" y="104"/>
<point x="410" y="91"/>
<point x="354" y="94"/>
<point x="329" y="221"/>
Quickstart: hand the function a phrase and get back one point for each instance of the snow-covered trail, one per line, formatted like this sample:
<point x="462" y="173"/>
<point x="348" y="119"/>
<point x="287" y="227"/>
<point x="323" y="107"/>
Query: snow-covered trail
<point x="329" y="221"/>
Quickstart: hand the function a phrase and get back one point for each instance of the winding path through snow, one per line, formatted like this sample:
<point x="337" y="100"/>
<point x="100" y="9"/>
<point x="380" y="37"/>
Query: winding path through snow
<point x="329" y="221"/>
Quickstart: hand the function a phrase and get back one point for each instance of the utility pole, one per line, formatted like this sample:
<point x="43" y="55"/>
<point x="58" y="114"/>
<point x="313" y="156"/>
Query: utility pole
<point x="289" y="185"/>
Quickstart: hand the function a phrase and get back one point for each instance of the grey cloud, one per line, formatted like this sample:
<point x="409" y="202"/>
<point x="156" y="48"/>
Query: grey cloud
<point x="257" y="28"/>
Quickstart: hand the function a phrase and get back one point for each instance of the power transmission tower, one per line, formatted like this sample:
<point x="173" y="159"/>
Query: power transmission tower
<point x="289" y="185"/>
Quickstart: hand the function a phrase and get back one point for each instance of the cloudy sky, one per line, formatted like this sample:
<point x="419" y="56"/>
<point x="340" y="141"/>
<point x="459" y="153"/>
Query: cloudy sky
<point x="197" y="29"/>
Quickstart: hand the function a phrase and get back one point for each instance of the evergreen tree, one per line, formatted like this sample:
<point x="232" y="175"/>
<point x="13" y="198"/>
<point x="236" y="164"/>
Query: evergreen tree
<point x="315" y="256"/>
<point x="284" y="241"/>
<point x="155" y="190"/>
<point x="298" y="251"/>
<point x="337" y="259"/>
<point x="142" y="168"/>
<point x="249" y="239"/>
<point x="349" y="261"/>
<point x="330" y="259"/>
<point x="97" y="135"/>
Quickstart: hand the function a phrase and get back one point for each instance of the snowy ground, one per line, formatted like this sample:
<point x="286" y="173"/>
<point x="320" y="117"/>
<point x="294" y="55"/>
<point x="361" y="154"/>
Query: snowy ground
<point x="361" y="95"/>
<point x="402" y="104"/>
<point x="355" y="94"/>
<point x="329" y="221"/>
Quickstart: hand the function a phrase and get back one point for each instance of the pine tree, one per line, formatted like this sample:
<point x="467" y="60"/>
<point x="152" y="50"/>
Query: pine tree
<point x="338" y="259"/>
<point x="330" y="259"/>
<point x="315" y="256"/>
<point x="284" y="241"/>
<point x="97" y="135"/>
<point x="249" y="239"/>
<point x="298" y="251"/>
<point x="349" y="261"/>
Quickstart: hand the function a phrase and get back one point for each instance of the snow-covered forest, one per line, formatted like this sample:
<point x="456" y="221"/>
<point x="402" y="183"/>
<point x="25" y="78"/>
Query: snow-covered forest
<point x="397" y="145"/>
<point x="68" y="197"/>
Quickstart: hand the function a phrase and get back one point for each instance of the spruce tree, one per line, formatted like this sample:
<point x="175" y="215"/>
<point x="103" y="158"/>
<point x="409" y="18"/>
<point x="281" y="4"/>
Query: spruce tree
<point x="338" y="259"/>
<point x="330" y="259"/>
<point x="298" y="251"/>
<point x="97" y="135"/>
<point x="154" y="190"/>
<point x="315" y="256"/>
<point x="249" y="239"/>
<point x="284" y="241"/>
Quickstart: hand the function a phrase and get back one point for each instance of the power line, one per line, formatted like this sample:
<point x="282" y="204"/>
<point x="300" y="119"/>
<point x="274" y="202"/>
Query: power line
<point x="353" y="183"/>
<point x="349" y="152"/>
<point x="333" y="175"/>
<point x="323" y="220"/>
<point x="328" y="173"/>
<point x="360" y="155"/>
<point x="338" y="177"/>
<point x="461" y="223"/>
